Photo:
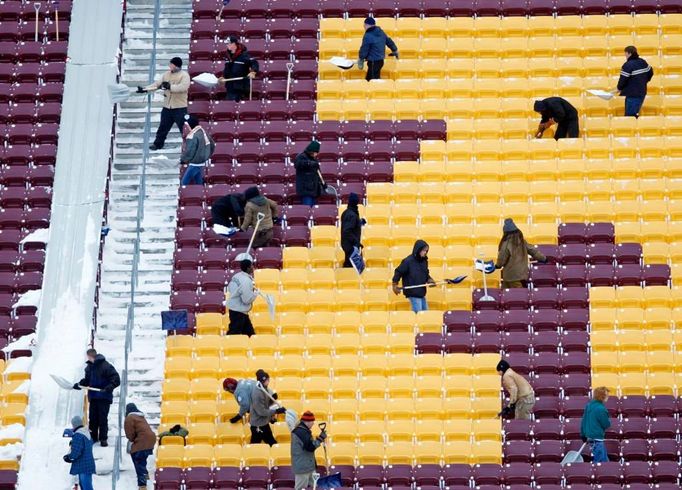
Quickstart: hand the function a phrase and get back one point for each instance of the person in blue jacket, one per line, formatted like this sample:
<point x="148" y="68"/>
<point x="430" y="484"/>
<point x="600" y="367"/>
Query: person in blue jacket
<point x="80" y="456"/>
<point x="635" y="74"/>
<point x="594" y="424"/>
<point x="373" y="49"/>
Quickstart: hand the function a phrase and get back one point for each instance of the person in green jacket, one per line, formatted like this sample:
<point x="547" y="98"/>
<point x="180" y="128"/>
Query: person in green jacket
<point x="594" y="424"/>
<point x="176" y="430"/>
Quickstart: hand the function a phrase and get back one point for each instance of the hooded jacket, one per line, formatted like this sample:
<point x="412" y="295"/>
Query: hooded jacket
<point x="138" y="432"/>
<point x="100" y="374"/>
<point x="351" y="228"/>
<point x="516" y="385"/>
<point x="228" y="209"/>
<point x="82" y="460"/>
<point x="558" y="109"/>
<point x="307" y="180"/>
<point x="303" y="448"/>
<point x="176" y="96"/>
<point x="634" y="77"/>
<point x="374" y="43"/>
<point x="199" y="147"/>
<point x="239" y="64"/>
<point x="514" y="262"/>
<point x="595" y="421"/>
<point x="260" y="413"/>
<point x="259" y="204"/>
<point x="413" y="270"/>
<point x="243" y="395"/>
<point x="241" y="292"/>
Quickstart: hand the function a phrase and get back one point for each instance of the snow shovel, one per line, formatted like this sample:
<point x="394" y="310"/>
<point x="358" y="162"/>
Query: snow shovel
<point x="245" y="255"/>
<point x="119" y="93"/>
<point x="56" y="19"/>
<point x="341" y="62"/>
<point x="222" y="7"/>
<point x="67" y="385"/>
<point x="455" y="280"/>
<point x="329" y="481"/>
<point x="36" y="7"/>
<point x="574" y="456"/>
<point x="603" y="94"/>
<point x="486" y="267"/>
<point x="290" y="416"/>
<point x="328" y="189"/>
<point x="270" y="302"/>
<point x="290" y="68"/>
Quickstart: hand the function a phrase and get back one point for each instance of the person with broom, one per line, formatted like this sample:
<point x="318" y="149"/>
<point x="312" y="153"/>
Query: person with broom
<point x="308" y="184"/>
<point x="414" y="271"/>
<point x="257" y="203"/>
<point x="521" y="394"/>
<point x="242" y="295"/>
<point x="239" y="65"/>
<point x="555" y="110"/>
<point x="512" y="256"/>
<point x="261" y="413"/>
<point x="594" y="424"/>
<point x="242" y="394"/>
<point x="303" y="447"/>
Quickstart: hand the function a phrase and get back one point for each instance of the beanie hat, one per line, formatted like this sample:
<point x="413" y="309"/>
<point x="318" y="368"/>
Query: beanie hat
<point x="308" y="416"/>
<point x="539" y="106"/>
<point x="177" y="62"/>
<point x="369" y="21"/>
<point x="245" y="264"/>
<point x="509" y="226"/>
<point x="261" y="375"/>
<point x="502" y="366"/>
<point x="191" y="120"/>
<point x="76" y="421"/>
<point x="353" y="199"/>
<point x="131" y="407"/>
<point x="233" y="39"/>
<point x="251" y="192"/>
<point x="229" y="384"/>
<point x="313" y="147"/>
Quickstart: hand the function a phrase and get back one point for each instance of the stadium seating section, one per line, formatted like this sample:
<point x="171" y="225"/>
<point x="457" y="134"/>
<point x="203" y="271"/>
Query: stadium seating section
<point x="31" y="85"/>
<point x="440" y="149"/>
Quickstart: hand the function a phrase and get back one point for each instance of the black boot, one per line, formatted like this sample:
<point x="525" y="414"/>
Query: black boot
<point x="104" y="443"/>
<point x="153" y="147"/>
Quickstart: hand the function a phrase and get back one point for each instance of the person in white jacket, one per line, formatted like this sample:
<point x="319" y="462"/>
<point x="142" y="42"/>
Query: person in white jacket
<point x="242" y="295"/>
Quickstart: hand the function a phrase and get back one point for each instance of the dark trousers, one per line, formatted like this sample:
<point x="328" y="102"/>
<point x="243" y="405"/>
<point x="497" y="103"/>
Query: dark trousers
<point x="168" y="118"/>
<point x="240" y="324"/>
<point x="374" y="70"/>
<point x="347" y="252"/>
<point x="193" y="175"/>
<point x="262" y="434"/>
<point x="567" y="128"/>
<point x="263" y="238"/>
<point x="633" y="105"/>
<point x="98" y="423"/>
<point x="236" y="95"/>
<point x="140" y="462"/>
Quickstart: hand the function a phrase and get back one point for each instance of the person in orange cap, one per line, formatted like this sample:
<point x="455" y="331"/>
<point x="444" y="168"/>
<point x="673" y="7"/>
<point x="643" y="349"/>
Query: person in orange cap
<point x="303" y="448"/>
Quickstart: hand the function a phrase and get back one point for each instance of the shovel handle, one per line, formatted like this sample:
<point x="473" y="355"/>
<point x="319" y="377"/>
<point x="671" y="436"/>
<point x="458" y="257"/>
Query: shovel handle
<point x="88" y="388"/>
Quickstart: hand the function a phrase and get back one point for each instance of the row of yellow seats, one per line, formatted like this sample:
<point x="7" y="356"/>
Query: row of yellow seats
<point x="635" y="296"/>
<point x="222" y="455"/>
<point x="625" y="361"/>
<point x="634" y="318"/>
<point x="508" y="26"/>
<point x="213" y="434"/>
<point x="650" y="384"/>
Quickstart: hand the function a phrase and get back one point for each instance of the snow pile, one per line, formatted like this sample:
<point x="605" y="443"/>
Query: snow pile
<point x="29" y="298"/>
<point x="14" y="431"/>
<point x="41" y="235"/>
<point x="19" y="365"/>
<point x="27" y="342"/>
<point x="11" y="451"/>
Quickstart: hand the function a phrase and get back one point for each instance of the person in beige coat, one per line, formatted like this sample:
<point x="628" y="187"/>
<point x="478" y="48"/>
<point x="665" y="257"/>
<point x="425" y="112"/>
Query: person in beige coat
<point x="141" y="441"/>
<point x="257" y="203"/>
<point x="175" y="85"/>
<point x="521" y="394"/>
<point x="512" y="256"/>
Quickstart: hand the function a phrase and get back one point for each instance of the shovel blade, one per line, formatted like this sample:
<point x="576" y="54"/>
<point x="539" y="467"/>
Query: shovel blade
<point x="62" y="382"/>
<point x="572" y="457"/>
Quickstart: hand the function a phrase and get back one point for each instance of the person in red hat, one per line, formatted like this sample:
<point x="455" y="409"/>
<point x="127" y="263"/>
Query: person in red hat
<point x="242" y="393"/>
<point x="303" y="448"/>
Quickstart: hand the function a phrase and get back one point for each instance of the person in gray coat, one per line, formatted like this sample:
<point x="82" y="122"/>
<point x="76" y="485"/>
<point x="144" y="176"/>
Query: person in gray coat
<point x="199" y="147"/>
<point x="242" y="295"/>
<point x="303" y="448"/>
<point x="242" y="393"/>
<point x="261" y="413"/>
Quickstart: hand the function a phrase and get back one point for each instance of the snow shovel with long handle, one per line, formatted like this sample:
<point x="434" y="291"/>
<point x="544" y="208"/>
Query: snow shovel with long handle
<point x="574" y="456"/>
<point x="290" y="68"/>
<point x="290" y="416"/>
<point x="36" y="7"/>
<point x="455" y="280"/>
<point x="246" y="255"/>
<point x="329" y="481"/>
<point x="328" y="189"/>
<point x="68" y="385"/>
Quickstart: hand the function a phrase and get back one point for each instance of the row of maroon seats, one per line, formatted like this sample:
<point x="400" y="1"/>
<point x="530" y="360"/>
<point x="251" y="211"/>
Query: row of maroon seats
<point x="292" y="236"/>
<point x="31" y="52"/>
<point x="593" y="254"/>
<point x="261" y="49"/>
<point x="27" y="112"/>
<point x="16" y="197"/>
<point x="21" y="10"/>
<point x="267" y="70"/>
<point x="272" y="171"/>
<point x="25" y="31"/>
<point x="253" y="29"/>
<point x="24" y="134"/>
<point x="600" y="275"/>
<point x="12" y="328"/>
<point x="523" y="299"/>
<point x="32" y="72"/>
<point x="515" y="335"/>
<point x="26" y="177"/>
<point x="30" y="92"/>
<point x="25" y="261"/>
<point x="22" y="155"/>
<point x="24" y="219"/>
<point x="221" y="259"/>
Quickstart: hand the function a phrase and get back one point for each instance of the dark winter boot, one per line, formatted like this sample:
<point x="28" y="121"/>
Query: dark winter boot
<point x="153" y="147"/>
<point x="104" y="443"/>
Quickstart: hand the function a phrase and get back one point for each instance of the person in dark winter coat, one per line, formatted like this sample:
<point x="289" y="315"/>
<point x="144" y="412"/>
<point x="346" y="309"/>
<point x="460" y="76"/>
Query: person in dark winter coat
<point x="226" y="213"/>
<point x="373" y="49"/>
<point x="239" y="64"/>
<point x="555" y="110"/>
<point x="308" y="184"/>
<point x="351" y="228"/>
<point x="512" y="256"/>
<point x="594" y="424"/>
<point x="80" y="456"/>
<point x="414" y="270"/>
<point x="99" y="374"/>
<point x="635" y="74"/>
<point x="142" y="440"/>
<point x="261" y="413"/>
<point x="258" y="203"/>
<point x="242" y="295"/>
<point x="303" y="447"/>
<point x="242" y="394"/>
<point x="199" y="147"/>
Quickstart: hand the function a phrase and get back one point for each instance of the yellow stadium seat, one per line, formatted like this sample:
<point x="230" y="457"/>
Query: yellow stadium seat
<point x="256" y="455"/>
<point x="399" y="453"/>
<point x="632" y="384"/>
<point x="175" y="390"/>
<point x="375" y="321"/>
<point x="457" y="430"/>
<point x="177" y="367"/>
<point x="179" y="345"/>
<point x="401" y="387"/>
<point x="371" y="452"/>
<point x="487" y="430"/>
<point x="169" y="456"/>
<point x="198" y="456"/>
<point x="457" y="452"/>
<point x="229" y="455"/>
<point x="209" y="323"/>
<point x="204" y="389"/>
<point x="295" y="257"/>
<point x="402" y="364"/>
<point x="458" y="385"/>
<point x="293" y="322"/>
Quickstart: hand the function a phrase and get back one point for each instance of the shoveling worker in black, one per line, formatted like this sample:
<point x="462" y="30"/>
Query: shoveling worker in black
<point x="261" y="413"/>
<point x="308" y="183"/>
<point x="226" y="211"/>
<point x="99" y="374"/>
<point x="635" y="74"/>
<point x="351" y="228"/>
<point x="555" y="110"/>
<point x="239" y="65"/>
<point x="373" y="49"/>
<point x="414" y="270"/>
<point x="303" y="447"/>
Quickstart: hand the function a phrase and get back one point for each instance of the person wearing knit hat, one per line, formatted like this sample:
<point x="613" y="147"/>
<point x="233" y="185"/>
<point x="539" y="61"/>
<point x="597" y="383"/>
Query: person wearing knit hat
<point x="308" y="182"/>
<point x="263" y="412"/>
<point x="141" y="442"/>
<point x="199" y="148"/>
<point x="256" y="204"/>
<point x="303" y="447"/>
<point x="373" y="49"/>
<point x="521" y="395"/>
<point x="351" y="228"/>
<point x="555" y="110"/>
<point x="512" y="256"/>
<point x="239" y="65"/>
<point x="242" y="295"/>
<point x="175" y="85"/>
<point x="80" y="456"/>
<point x="242" y="394"/>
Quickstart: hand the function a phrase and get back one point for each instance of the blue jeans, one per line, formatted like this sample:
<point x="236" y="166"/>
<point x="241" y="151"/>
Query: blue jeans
<point x="418" y="304"/>
<point x="140" y="462"/>
<point x="308" y="200"/>
<point x="85" y="481"/>
<point x="633" y="106"/>
<point x="193" y="175"/>
<point x="599" y="452"/>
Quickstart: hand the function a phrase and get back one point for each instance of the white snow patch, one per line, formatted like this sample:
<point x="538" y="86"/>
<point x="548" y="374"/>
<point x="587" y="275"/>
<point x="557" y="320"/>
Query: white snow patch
<point x="41" y="235"/>
<point x="567" y="80"/>
<point x="23" y="343"/>
<point x="13" y="451"/>
<point x="29" y="298"/>
<point x="19" y="365"/>
<point x="14" y="431"/>
<point x="137" y="44"/>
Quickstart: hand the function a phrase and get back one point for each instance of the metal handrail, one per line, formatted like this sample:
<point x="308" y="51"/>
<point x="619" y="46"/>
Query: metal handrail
<point x="123" y="394"/>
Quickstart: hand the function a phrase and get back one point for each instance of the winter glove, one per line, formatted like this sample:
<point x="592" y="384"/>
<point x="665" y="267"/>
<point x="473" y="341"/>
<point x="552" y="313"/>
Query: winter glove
<point x="544" y="261"/>
<point x="67" y="459"/>
<point x="396" y="54"/>
<point x="251" y="75"/>
<point x="140" y="90"/>
<point x="281" y="410"/>
<point x="583" y="438"/>
<point x="396" y="289"/>
<point x="165" y="85"/>
<point x="363" y="221"/>
<point x="506" y="413"/>
<point x="109" y="389"/>
<point x="175" y="429"/>
<point x="322" y="436"/>
<point x="275" y="396"/>
<point x="235" y="419"/>
<point x="512" y="406"/>
<point x="361" y="64"/>
<point x="76" y="386"/>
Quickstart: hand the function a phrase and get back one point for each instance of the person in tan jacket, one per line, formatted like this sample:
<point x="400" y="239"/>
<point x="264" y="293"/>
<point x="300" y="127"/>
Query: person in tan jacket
<point x="512" y="256"/>
<point x="521" y="394"/>
<point x="257" y="203"/>
<point x="141" y="440"/>
<point x="175" y="85"/>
